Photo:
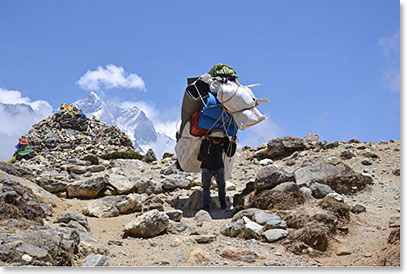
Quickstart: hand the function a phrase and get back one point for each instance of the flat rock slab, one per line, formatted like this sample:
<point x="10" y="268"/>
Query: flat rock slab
<point x="273" y="235"/>
<point x="319" y="171"/>
<point x="67" y="217"/>
<point x="88" y="188"/>
<point x="121" y="184"/>
<point x="262" y="217"/>
<point x="96" y="260"/>
<point x="204" y="239"/>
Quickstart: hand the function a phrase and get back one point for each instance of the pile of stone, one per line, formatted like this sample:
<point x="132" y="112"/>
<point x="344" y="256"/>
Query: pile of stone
<point x="256" y="224"/>
<point x="69" y="134"/>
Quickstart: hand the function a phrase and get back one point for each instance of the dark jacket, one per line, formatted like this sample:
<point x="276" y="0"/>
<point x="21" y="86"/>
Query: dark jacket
<point x="211" y="154"/>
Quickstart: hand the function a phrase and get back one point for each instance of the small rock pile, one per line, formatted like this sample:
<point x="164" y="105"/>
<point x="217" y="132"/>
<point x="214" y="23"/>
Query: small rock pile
<point x="69" y="134"/>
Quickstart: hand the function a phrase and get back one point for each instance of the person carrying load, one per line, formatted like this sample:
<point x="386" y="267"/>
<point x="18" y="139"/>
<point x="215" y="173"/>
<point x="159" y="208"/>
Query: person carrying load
<point x="210" y="154"/>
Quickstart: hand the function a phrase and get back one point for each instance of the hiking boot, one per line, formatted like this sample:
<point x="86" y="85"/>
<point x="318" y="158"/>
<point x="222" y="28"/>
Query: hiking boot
<point x="223" y="204"/>
<point x="207" y="208"/>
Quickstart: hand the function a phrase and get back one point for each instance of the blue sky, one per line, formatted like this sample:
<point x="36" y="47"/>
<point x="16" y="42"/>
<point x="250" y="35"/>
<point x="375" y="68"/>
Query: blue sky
<point x="329" y="67"/>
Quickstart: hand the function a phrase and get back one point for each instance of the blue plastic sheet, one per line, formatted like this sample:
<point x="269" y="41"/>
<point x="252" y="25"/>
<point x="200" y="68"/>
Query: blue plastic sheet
<point x="213" y="116"/>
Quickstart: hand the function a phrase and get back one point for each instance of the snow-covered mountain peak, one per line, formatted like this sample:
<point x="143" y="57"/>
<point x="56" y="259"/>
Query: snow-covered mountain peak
<point x="132" y="120"/>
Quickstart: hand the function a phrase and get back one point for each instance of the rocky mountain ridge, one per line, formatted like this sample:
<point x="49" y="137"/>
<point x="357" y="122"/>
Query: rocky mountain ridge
<point x="291" y="202"/>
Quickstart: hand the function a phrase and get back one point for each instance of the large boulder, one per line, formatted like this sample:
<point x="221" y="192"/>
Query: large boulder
<point x="112" y="206"/>
<point x="281" y="147"/>
<point x="170" y="184"/>
<point x="14" y="170"/>
<point x="51" y="185"/>
<point x="284" y="196"/>
<point x="150" y="224"/>
<point x="346" y="182"/>
<point x="88" y="188"/>
<point x="322" y="170"/>
<point x="40" y="194"/>
<point x="121" y="184"/>
<point x="67" y="217"/>
<point x="103" y="207"/>
<point x="270" y="176"/>
<point x="320" y="190"/>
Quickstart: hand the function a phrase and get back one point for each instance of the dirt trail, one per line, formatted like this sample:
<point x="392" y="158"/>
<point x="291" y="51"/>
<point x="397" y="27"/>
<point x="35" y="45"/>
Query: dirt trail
<point x="368" y="231"/>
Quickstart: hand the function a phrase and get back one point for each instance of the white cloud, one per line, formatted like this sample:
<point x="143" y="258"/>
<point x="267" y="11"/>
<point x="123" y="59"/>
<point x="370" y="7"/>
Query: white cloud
<point x="110" y="77"/>
<point x="390" y="47"/>
<point x="259" y="134"/>
<point x="17" y="115"/>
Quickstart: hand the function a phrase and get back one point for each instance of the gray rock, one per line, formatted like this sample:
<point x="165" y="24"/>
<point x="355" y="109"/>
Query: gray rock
<point x="51" y="185"/>
<point x="149" y="224"/>
<point x="14" y="170"/>
<point x="88" y="188"/>
<point x="174" y="215"/>
<point x="273" y="235"/>
<point x="347" y="154"/>
<point x="331" y="145"/>
<point x="104" y="207"/>
<point x="67" y="217"/>
<point x="306" y="192"/>
<point x="10" y="223"/>
<point x="96" y="168"/>
<point x="336" y="196"/>
<point x="132" y="202"/>
<point x="272" y="224"/>
<point x="169" y="170"/>
<point x="367" y="161"/>
<point x="121" y="184"/>
<point x="176" y="227"/>
<point x="396" y="172"/>
<point x="194" y="202"/>
<point x="157" y="206"/>
<point x="204" y="239"/>
<point x="287" y="186"/>
<point x="140" y="184"/>
<point x="96" y="260"/>
<point x="233" y="229"/>
<point x="270" y="176"/>
<point x="78" y="169"/>
<point x="357" y="208"/>
<point x="315" y="172"/>
<point x="115" y="242"/>
<point x="32" y="250"/>
<point x="249" y="212"/>
<point x="262" y="217"/>
<point x="202" y="216"/>
<point x="171" y="184"/>
<point x="149" y="157"/>
<point x="281" y="147"/>
<point x="320" y="190"/>
<point x="311" y="140"/>
<point x="252" y="229"/>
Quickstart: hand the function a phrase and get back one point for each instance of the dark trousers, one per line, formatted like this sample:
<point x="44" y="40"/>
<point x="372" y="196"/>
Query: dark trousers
<point x="206" y="183"/>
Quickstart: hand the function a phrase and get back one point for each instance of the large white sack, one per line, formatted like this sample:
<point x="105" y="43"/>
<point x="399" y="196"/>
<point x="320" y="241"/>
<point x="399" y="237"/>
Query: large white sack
<point x="232" y="96"/>
<point x="187" y="150"/>
<point x="248" y="118"/>
<point x="228" y="162"/>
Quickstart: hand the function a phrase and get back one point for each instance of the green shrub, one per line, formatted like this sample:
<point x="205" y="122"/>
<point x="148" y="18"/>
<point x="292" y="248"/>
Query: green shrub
<point x="122" y="155"/>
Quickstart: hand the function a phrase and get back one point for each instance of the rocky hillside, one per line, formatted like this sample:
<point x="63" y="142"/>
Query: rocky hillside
<point x="92" y="199"/>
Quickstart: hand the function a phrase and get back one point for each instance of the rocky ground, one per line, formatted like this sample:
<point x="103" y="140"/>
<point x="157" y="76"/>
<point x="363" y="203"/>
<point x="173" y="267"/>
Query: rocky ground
<point x="292" y="202"/>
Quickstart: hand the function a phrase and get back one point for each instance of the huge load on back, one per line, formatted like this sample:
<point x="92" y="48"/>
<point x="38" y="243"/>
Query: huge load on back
<point x="215" y="100"/>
